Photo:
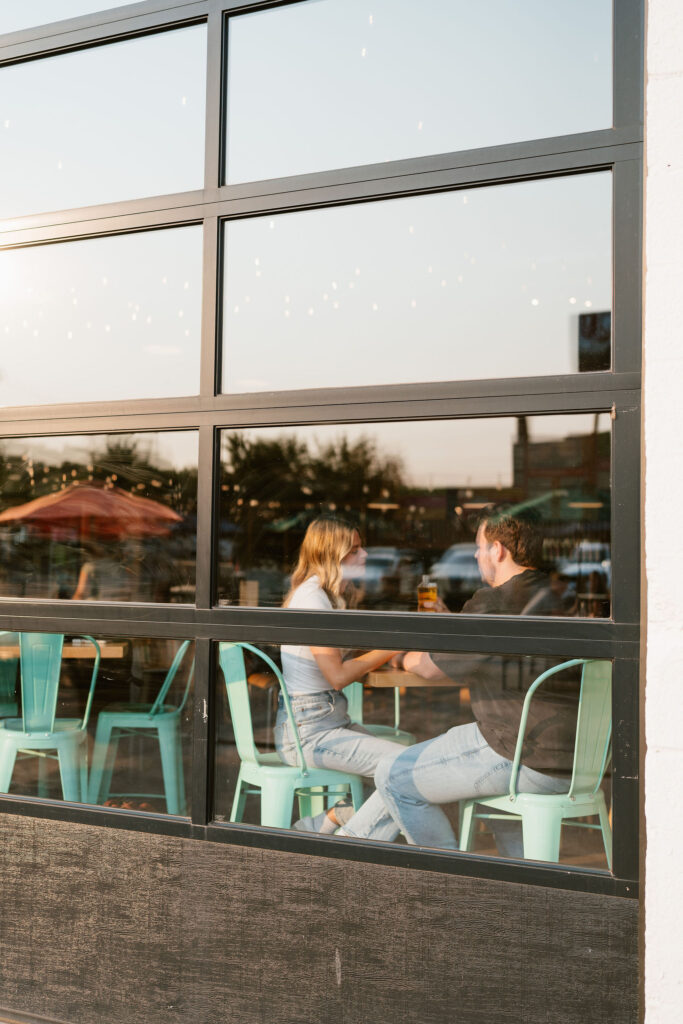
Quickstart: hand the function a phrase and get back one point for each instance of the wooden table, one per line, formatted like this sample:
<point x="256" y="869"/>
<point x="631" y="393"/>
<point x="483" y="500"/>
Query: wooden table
<point x="382" y="678"/>
<point x="75" y="651"/>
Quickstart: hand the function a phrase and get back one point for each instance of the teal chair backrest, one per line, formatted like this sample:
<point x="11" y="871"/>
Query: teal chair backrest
<point x="354" y="698"/>
<point x="235" y="674"/>
<point x="41" y="663"/>
<point x="8" y="667"/>
<point x="158" y="705"/>
<point x="231" y="656"/>
<point x="593" y="725"/>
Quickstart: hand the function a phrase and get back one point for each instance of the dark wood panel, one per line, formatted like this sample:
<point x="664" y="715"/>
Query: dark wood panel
<point x="107" y="925"/>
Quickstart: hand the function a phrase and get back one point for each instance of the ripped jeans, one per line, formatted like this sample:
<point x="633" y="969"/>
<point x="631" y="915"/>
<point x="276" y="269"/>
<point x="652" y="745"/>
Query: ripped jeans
<point x="413" y="781"/>
<point x="329" y="738"/>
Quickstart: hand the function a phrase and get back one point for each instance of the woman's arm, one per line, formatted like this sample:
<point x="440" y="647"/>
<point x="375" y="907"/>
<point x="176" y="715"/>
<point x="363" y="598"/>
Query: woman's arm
<point x="340" y="673"/>
<point x="83" y="578"/>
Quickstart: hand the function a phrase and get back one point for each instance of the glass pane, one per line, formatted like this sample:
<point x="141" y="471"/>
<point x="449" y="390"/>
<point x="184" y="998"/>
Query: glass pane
<point x="100" y="319"/>
<point x="416" y="493"/>
<point x="116" y="759"/>
<point x="475" y="284"/>
<point x="337" y="83"/>
<point x="451" y="705"/>
<point x="15" y="16"/>
<point x="107" y="517"/>
<point x="108" y="123"/>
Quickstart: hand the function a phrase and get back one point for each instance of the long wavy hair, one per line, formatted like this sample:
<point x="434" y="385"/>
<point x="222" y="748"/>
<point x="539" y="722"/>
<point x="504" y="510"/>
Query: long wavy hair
<point x="327" y="541"/>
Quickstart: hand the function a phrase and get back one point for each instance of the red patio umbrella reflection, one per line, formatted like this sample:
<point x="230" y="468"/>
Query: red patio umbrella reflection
<point x="100" y="511"/>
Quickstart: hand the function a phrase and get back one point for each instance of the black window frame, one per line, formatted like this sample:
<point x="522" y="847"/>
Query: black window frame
<point x="618" y="149"/>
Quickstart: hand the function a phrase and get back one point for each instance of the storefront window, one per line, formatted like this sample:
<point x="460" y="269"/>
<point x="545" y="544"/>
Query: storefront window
<point x="99" y="518"/>
<point x="100" y="319"/>
<point x="483" y="283"/>
<point x="399" y="744"/>
<point x="357" y="371"/>
<point x="97" y="720"/>
<point x="416" y="493"/>
<point x="14" y="17"/>
<point x="136" y="129"/>
<point x="339" y="83"/>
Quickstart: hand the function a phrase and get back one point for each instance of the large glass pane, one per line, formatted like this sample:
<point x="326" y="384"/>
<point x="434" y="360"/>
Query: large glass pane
<point x="337" y="83"/>
<point x="100" y="319"/>
<point x="475" y="284"/>
<point x="465" y="711"/>
<point x="109" y="123"/>
<point x="99" y="518"/>
<point x="15" y="16"/>
<point x="108" y="723"/>
<point x="416" y="493"/>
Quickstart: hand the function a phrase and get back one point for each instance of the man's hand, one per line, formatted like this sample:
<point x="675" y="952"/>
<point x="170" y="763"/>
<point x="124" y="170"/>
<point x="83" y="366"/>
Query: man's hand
<point x="435" y="606"/>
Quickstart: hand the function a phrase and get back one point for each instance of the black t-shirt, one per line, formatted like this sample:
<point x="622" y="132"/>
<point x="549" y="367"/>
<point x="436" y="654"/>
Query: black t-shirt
<point x="498" y="684"/>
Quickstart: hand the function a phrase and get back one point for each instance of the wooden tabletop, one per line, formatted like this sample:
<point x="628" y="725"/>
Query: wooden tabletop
<point x="74" y="651"/>
<point x="392" y="677"/>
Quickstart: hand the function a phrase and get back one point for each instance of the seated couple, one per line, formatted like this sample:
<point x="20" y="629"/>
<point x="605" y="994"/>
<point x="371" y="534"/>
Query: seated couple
<point x="467" y="761"/>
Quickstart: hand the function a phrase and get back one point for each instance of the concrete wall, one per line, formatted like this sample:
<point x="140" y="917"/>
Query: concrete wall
<point x="663" y="399"/>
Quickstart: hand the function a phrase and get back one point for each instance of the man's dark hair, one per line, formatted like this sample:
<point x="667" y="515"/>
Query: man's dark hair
<point x="519" y="532"/>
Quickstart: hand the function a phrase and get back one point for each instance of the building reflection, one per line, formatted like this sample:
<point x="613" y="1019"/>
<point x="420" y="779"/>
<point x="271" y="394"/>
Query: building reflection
<point x="273" y="485"/>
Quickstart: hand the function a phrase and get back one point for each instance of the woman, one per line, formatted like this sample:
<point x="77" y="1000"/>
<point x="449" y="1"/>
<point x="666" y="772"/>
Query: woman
<point x="316" y="676"/>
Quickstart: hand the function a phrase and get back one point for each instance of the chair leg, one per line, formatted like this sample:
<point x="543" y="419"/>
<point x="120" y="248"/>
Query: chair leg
<point x="317" y="800"/>
<point x="357" y="792"/>
<point x="84" y="771"/>
<point x="8" y="755"/>
<point x="43" y="786"/>
<point x="69" y="770"/>
<point x="466" y="824"/>
<point x="305" y="803"/>
<point x="168" y="741"/>
<point x="239" y="800"/>
<point x="182" y="801"/>
<point x="541" y="830"/>
<point x="277" y="801"/>
<point x="102" y="762"/>
<point x="606" y="832"/>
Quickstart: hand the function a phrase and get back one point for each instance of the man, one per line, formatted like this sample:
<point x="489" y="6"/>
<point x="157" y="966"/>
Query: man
<point x="476" y="759"/>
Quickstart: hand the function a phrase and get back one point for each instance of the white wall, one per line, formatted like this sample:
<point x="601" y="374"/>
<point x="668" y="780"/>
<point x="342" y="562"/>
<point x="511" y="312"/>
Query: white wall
<point x="663" y="347"/>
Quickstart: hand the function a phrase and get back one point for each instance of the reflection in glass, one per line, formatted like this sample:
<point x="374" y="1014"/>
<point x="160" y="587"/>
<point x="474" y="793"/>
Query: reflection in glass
<point x="103" y="318"/>
<point x="99" y="518"/>
<point x="29" y="13"/>
<point x="458" y="703"/>
<point x="114" y="122"/>
<point x="337" y="83"/>
<point x="416" y="493"/>
<point x="106" y="721"/>
<point x="462" y="285"/>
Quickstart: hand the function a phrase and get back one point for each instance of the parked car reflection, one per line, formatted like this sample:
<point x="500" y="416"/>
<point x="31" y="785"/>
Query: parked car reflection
<point x="388" y="571"/>
<point x="456" y="574"/>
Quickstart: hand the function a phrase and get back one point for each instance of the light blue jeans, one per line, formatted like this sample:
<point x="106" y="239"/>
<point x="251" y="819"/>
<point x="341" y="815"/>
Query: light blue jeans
<point x="329" y="738"/>
<point x="460" y="764"/>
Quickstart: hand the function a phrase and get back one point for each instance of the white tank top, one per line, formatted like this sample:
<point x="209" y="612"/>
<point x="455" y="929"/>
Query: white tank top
<point x="299" y="667"/>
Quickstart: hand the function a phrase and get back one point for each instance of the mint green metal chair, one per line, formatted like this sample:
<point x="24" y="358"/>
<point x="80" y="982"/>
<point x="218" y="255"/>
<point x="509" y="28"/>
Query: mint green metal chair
<point x="542" y="815"/>
<point x="39" y="731"/>
<point x="159" y="720"/>
<point x="9" y="663"/>
<point x="276" y="782"/>
<point x="354" y="696"/>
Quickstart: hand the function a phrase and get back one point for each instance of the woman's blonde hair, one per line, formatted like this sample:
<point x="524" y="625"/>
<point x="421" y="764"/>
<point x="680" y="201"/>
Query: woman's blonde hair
<point x="327" y="541"/>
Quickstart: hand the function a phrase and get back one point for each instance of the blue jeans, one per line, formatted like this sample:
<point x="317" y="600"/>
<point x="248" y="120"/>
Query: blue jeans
<point x="329" y="738"/>
<point x="460" y="764"/>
